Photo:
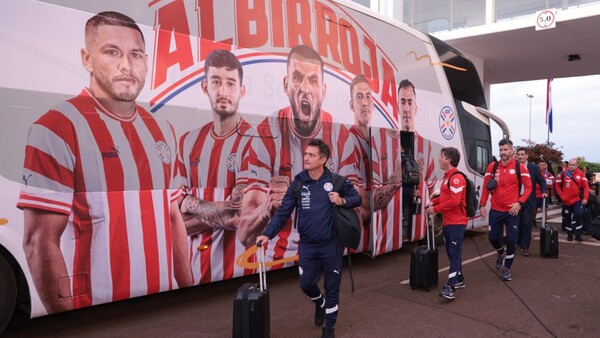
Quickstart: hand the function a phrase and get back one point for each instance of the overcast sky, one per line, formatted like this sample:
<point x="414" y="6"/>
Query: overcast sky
<point x="576" y="111"/>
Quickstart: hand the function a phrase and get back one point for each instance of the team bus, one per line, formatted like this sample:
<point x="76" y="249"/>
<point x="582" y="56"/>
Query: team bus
<point x="103" y="200"/>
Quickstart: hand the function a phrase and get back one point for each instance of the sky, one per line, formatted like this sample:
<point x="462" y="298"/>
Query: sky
<point x="576" y="114"/>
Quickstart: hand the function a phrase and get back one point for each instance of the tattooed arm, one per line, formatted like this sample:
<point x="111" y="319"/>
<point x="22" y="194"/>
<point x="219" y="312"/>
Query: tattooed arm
<point x="383" y="195"/>
<point x="199" y="215"/>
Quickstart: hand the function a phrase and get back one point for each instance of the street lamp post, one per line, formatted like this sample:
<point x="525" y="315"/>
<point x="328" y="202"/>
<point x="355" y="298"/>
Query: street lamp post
<point x="529" y="96"/>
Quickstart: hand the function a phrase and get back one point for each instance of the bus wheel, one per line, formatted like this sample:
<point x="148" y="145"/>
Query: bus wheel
<point x="8" y="293"/>
<point x="437" y="229"/>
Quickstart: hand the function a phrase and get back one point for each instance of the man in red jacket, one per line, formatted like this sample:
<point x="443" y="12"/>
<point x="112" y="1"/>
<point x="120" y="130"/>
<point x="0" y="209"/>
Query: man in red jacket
<point x="507" y="202"/>
<point x="573" y="188"/>
<point x="452" y="203"/>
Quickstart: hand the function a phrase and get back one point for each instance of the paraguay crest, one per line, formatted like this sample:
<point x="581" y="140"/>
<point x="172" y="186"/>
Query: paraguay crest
<point x="447" y="123"/>
<point x="163" y="151"/>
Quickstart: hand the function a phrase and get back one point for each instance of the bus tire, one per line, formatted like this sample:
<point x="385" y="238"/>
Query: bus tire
<point x="8" y="293"/>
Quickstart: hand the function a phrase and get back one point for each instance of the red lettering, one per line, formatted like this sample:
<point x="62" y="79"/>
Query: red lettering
<point x="299" y="25"/>
<point x="207" y="19"/>
<point x="327" y="33"/>
<point x="277" y="24"/>
<point x="349" y="47"/>
<point x="171" y="22"/>
<point x="248" y="19"/>
<point x="371" y="72"/>
<point x="388" y="92"/>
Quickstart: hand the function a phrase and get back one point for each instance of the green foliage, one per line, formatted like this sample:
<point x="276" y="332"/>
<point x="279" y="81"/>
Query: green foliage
<point x="547" y="151"/>
<point x="553" y="155"/>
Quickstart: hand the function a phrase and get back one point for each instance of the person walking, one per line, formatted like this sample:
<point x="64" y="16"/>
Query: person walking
<point x="452" y="204"/>
<point x="507" y="202"/>
<point x="318" y="249"/>
<point x="572" y="187"/>
<point x="527" y="213"/>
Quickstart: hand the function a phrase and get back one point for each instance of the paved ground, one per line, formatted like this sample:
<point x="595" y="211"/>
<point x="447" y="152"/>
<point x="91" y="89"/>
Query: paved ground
<point x="546" y="298"/>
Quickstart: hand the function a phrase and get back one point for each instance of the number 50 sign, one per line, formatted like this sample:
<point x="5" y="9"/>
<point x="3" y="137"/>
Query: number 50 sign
<point x="545" y="19"/>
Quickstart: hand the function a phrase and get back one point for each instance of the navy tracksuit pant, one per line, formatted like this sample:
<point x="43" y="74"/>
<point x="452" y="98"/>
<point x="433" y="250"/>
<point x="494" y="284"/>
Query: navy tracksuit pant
<point x="453" y="239"/>
<point x="497" y="221"/>
<point x="573" y="218"/>
<point x="326" y="258"/>
<point x="525" y="226"/>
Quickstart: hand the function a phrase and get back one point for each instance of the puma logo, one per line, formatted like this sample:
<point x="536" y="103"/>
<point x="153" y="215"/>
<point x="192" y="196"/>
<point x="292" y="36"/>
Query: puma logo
<point x="26" y="178"/>
<point x="305" y="187"/>
<point x="455" y="242"/>
<point x="336" y="271"/>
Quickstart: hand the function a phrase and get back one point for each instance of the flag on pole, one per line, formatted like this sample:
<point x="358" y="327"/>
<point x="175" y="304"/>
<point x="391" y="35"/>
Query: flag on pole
<point x="549" y="106"/>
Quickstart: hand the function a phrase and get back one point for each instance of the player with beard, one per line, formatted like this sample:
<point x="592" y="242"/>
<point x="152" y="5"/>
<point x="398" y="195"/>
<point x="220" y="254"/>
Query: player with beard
<point x="100" y="200"/>
<point x="214" y="164"/>
<point x="285" y="135"/>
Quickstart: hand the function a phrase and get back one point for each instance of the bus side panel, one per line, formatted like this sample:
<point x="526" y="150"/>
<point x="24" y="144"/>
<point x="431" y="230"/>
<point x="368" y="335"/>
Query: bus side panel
<point x="239" y="177"/>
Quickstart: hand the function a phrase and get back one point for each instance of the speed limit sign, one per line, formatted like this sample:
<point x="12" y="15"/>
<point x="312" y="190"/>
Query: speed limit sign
<point x="545" y="19"/>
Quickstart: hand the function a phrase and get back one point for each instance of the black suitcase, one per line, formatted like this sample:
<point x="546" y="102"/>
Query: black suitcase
<point x="548" y="237"/>
<point x="424" y="263"/>
<point x="595" y="228"/>
<point x="251" y="312"/>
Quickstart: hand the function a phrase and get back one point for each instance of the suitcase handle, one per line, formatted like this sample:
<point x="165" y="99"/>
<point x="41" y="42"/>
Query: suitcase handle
<point x="430" y="228"/>
<point x="543" y="212"/>
<point x="262" y="271"/>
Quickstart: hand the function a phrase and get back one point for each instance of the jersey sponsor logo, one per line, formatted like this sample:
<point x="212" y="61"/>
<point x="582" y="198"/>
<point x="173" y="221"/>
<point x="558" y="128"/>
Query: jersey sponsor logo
<point x="163" y="151"/>
<point x="26" y="178"/>
<point x="447" y="123"/>
<point x="113" y="153"/>
<point x="328" y="186"/>
<point x="230" y="163"/>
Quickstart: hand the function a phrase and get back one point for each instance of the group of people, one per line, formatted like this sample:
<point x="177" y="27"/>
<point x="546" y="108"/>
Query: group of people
<point x="100" y="171"/>
<point x="518" y="188"/>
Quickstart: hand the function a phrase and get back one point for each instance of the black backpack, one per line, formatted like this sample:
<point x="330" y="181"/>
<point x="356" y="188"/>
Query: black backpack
<point x="411" y="173"/>
<point x="471" y="198"/>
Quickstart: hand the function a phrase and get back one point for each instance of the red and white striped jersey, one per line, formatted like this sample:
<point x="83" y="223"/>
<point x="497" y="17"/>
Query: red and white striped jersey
<point x="283" y="155"/>
<point x="386" y="225"/>
<point x="114" y="177"/>
<point x="362" y="176"/>
<point x="211" y="166"/>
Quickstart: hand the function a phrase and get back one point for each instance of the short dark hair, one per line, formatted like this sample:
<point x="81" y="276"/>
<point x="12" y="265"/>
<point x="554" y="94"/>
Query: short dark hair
<point x="522" y="149"/>
<point x="542" y="161"/>
<point x="220" y="58"/>
<point x="360" y="78"/>
<point x="307" y="53"/>
<point x="504" y="142"/>
<point x="324" y="150"/>
<point x="111" y="18"/>
<point x="452" y="154"/>
<point x="407" y="84"/>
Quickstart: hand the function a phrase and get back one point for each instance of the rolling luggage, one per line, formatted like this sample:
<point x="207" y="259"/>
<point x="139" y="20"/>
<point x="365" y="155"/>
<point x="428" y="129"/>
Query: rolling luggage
<point x="595" y="228"/>
<point x="548" y="237"/>
<point x="251" y="312"/>
<point x="424" y="262"/>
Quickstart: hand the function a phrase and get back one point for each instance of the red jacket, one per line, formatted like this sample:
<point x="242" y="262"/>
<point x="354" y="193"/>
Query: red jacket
<point x="549" y="182"/>
<point x="452" y="201"/>
<point x="506" y="192"/>
<point x="568" y="188"/>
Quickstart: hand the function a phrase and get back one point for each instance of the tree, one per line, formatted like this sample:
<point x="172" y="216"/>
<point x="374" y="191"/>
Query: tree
<point x="547" y="151"/>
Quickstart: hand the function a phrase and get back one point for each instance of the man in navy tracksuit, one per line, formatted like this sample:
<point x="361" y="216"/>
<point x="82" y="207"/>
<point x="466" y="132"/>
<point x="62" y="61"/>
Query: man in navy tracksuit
<point x="527" y="216"/>
<point x="318" y="250"/>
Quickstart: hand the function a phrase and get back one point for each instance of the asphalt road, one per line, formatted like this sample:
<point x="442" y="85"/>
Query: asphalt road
<point x="547" y="298"/>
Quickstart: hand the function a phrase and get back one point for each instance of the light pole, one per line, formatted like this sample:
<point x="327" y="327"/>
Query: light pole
<point x="529" y="96"/>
